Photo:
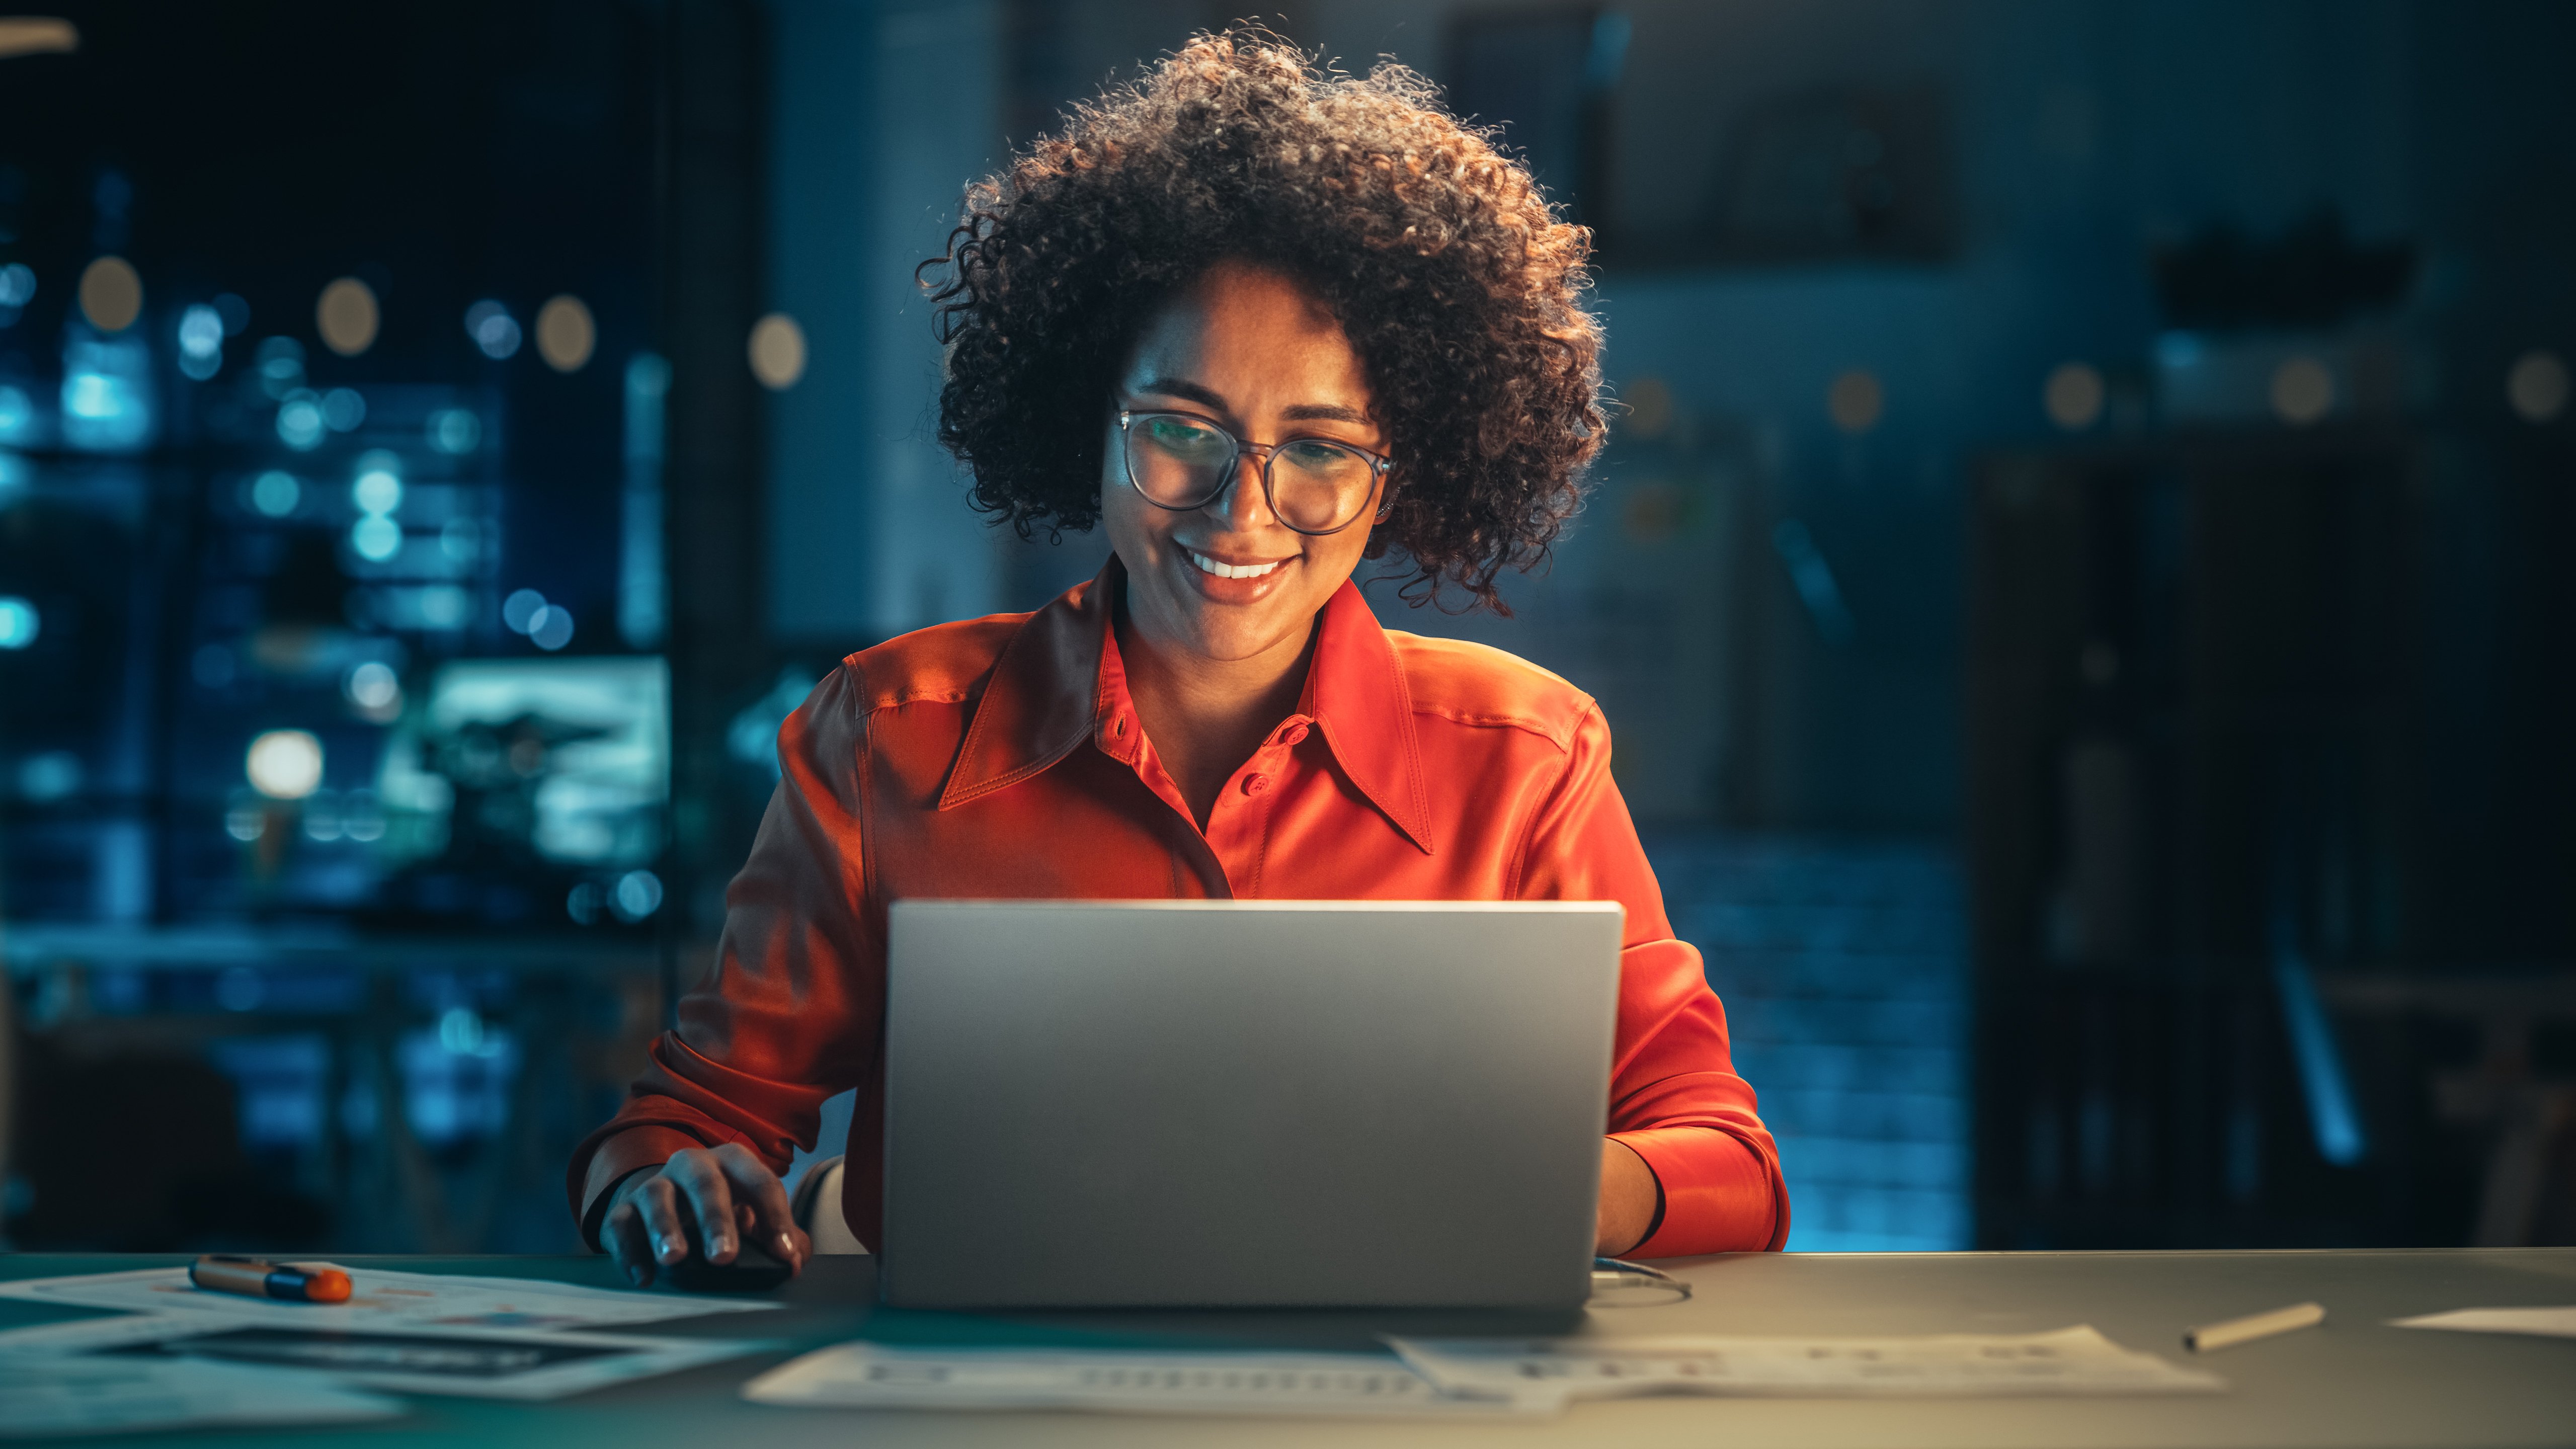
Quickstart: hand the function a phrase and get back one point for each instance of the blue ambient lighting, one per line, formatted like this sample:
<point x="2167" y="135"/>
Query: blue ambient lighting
<point x="19" y="623"/>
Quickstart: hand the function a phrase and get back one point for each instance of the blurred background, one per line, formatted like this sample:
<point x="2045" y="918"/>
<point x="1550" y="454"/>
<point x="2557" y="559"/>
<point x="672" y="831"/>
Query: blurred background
<point x="2081" y="581"/>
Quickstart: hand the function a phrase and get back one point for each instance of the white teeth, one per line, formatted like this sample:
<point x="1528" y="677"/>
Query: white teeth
<point x="1230" y="571"/>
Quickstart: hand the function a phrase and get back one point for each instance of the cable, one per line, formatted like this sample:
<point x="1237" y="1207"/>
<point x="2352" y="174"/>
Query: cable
<point x="1614" y="1276"/>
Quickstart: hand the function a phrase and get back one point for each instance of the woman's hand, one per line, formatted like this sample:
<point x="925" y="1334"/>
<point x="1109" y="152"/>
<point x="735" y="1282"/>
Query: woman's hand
<point x="1629" y="1193"/>
<point x="729" y="1193"/>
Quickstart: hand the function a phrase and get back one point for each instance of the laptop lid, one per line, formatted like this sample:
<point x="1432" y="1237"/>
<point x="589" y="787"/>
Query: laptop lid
<point x="1225" y="1103"/>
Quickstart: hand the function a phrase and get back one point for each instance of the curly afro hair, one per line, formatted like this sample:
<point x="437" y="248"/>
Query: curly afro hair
<point x="1458" y="287"/>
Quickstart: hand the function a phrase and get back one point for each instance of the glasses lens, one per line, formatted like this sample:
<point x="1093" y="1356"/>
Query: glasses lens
<point x="1319" y="486"/>
<point x="1177" y="462"/>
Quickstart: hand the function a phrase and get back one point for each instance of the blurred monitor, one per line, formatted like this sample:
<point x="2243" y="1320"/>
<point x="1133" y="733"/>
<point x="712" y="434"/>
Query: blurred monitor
<point x="566" y="761"/>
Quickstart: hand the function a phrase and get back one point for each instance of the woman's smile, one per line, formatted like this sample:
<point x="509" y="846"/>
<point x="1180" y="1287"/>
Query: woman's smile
<point x="1251" y="354"/>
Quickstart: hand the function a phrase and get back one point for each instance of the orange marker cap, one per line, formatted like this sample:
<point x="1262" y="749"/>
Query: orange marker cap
<point x="327" y="1285"/>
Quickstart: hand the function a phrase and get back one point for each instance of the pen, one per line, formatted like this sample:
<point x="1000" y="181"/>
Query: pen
<point x="259" y="1278"/>
<point x="2254" y="1325"/>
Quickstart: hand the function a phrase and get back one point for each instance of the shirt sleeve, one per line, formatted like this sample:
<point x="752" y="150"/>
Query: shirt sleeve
<point x="1674" y="1096"/>
<point x="792" y="1012"/>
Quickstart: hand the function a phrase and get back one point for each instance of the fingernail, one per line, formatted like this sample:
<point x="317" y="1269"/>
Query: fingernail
<point x="786" y="1248"/>
<point x="635" y="1276"/>
<point x="722" y="1245"/>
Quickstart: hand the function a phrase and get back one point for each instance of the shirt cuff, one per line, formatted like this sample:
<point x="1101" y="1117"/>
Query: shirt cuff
<point x="612" y="1161"/>
<point x="1719" y="1195"/>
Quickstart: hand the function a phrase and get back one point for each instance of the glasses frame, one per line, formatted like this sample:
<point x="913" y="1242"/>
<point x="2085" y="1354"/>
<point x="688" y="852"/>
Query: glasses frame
<point x="1380" y="466"/>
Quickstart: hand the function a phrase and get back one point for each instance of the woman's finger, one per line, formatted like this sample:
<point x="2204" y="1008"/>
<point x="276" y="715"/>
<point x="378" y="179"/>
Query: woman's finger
<point x="710" y="1196"/>
<point x="622" y="1231"/>
<point x="756" y="1187"/>
<point x="658" y="1201"/>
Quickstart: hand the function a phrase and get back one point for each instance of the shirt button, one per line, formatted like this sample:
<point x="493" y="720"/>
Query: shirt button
<point x="1293" y="734"/>
<point x="1255" y="784"/>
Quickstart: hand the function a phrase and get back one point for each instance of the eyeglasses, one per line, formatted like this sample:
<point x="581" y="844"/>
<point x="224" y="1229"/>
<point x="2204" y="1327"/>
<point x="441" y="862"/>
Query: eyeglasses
<point x="1313" y="485"/>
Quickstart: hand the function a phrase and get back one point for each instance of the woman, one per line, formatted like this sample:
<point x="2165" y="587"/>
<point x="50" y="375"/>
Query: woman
<point x="1262" y="322"/>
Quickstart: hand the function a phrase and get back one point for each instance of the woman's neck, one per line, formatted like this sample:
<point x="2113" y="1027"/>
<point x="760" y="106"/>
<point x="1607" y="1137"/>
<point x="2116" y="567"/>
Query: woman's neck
<point x="1206" y="716"/>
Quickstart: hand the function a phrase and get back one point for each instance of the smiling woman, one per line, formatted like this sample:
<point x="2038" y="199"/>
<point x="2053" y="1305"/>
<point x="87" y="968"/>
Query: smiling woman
<point x="1261" y="323"/>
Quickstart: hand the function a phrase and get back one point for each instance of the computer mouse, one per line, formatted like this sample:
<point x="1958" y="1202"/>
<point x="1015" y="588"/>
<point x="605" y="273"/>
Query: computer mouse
<point x="753" y="1267"/>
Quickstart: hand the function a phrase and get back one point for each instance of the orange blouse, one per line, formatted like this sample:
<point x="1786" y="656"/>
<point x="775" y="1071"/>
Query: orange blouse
<point x="1001" y="757"/>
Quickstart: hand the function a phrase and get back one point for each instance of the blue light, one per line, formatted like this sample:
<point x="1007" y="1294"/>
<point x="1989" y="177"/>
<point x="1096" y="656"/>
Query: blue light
<point x="377" y="491"/>
<point x="521" y="609"/>
<point x="17" y="285"/>
<point x="550" y="628"/>
<point x="376" y="538"/>
<point x="19" y="623"/>
<point x="454" y="430"/>
<point x="276" y="493"/>
<point x="343" y="409"/>
<point x="299" y="422"/>
<point x="1817" y="587"/>
<point x="17" y="414"/>
<point x="201" y="342"/>
<point x="2333" y="1118"/>
<point x="281" y="366"/>
<point x="493" y="329"/>
<point x="2178" y="350"/>
<point x="107" y="395"/>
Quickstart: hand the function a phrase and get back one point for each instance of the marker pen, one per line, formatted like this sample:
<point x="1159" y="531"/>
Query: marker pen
<point x="259" y="1278"/>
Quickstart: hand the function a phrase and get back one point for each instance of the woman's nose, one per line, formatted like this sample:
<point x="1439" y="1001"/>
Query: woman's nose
<point x="1242" y="506"/>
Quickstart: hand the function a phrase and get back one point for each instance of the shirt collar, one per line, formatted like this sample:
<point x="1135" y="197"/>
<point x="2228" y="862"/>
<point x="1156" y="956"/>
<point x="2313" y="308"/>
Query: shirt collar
<point x="1047" y="694"/>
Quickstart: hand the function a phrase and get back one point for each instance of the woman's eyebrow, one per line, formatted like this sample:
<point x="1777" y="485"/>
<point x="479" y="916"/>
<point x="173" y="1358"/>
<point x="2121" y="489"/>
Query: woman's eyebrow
<point x="1177" y="387"/>
<point x="1295" y="413"/>
<point x="1324" y="412"/>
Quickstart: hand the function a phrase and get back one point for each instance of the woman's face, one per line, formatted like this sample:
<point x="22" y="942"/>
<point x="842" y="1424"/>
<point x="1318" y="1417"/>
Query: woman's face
<point x="1254" y="353"/>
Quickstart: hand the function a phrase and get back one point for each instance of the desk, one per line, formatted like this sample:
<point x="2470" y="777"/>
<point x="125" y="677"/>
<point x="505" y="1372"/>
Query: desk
<point x="2350" y="1383"/>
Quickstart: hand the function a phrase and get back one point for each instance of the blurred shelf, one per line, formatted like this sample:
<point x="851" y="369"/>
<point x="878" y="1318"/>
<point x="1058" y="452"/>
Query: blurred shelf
<point x="28" y="949"/>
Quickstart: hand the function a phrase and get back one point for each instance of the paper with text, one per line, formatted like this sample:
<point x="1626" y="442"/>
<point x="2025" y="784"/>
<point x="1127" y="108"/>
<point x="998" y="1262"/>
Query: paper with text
<point x="485" y="1363"/>
<point x="383" y="1296"/>
<point x="121" y="1395"/>
<point x="876" y="1376"/>
<point x="1550" y="1371"/>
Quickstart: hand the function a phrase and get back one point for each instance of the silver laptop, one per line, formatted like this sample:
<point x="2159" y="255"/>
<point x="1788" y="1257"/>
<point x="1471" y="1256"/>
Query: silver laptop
<point x="1245" y="1104"/>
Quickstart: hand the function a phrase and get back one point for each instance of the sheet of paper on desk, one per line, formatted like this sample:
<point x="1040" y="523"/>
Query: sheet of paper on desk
<point x="486" y="1363"/>
<point x="383" y="1296"/>
<point x="2548" y="1322"/>
<point x="2068" y="1361"/>
<point x="118" y="1395"/>
<point x="876" y="1376"/>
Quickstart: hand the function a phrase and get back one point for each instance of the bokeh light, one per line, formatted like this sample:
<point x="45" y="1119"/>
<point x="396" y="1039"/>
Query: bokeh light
<point x="2303" y="391"/>
<point x="2537" y="386"/>
<point x="346" y="316"/>
<point x="376" y="538"/>
<point x="455" y="431"/>
<point x="343" y="409"/>
<point x="299" y="421"/>
<point x="493" y="329"/>
<point x="777" y="351"/>
<point x="378" y="488"/>
<point x="519" y="611"/>
<point x="2074" y="396"/>
<point x="565" y="333"/>
<point x="19" y="622"/>
<point x="550" y="628"/>
<point x="1856" y="400"/>
<point x="285" y="764"/>
<point x="111" y="294"/>
<point x="17" y="285"/>
<point x="201" y="342"/>
<point x="275" y="493"/>
<point x="375" y="689"/>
